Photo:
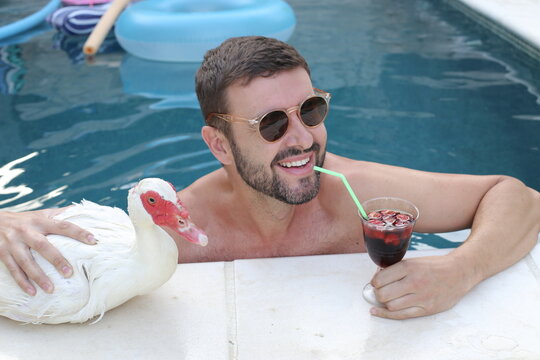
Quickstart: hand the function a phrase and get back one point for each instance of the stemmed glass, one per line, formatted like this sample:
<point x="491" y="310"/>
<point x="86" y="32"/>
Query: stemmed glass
<point x="387" y="233"/>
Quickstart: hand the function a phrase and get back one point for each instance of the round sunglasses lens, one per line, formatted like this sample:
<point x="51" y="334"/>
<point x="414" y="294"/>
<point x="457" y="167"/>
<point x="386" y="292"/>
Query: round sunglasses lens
<point x="273" y="125"/>
<point x="313" y="111"/>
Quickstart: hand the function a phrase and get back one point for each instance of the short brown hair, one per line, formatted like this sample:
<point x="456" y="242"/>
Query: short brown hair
<point x="240" y="59"/>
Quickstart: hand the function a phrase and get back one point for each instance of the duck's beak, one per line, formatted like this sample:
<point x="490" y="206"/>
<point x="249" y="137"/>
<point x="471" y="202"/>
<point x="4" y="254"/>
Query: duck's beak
<point x="186" y="228"/>
<point x="192" y="233"/>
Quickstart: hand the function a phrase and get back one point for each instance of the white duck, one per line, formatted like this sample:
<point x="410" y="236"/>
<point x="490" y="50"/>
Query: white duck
<point x="134" y="256"/>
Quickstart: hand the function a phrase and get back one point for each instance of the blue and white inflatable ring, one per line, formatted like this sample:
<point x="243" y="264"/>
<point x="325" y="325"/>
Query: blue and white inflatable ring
<point x="183" y="30"/>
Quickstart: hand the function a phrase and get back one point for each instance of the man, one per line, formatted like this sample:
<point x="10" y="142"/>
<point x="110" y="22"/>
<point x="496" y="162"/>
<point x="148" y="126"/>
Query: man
<point x="265" y="125"/>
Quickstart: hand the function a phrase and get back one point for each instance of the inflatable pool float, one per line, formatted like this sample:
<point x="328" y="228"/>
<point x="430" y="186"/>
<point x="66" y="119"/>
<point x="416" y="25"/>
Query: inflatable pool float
<point x="183" y="30"/>
<point x="29" y="21"/>
<point x="26" y="35"/>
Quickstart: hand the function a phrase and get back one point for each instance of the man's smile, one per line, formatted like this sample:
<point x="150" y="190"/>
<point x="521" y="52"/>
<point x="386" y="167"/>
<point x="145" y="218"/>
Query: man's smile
<point x="294" y="163"/>
<point x="301" y="165"/>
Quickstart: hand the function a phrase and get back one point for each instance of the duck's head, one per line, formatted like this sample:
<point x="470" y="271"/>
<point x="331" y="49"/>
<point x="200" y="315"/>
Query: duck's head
<point x="156" y="199"/>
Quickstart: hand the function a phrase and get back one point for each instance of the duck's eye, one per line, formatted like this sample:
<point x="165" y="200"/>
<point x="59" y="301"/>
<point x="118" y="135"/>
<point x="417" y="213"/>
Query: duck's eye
<point x="151" y="200"/>
<point x="181" y="222"/>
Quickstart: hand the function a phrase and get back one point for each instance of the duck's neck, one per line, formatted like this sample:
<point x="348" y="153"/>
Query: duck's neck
<point x="156" y="257"/>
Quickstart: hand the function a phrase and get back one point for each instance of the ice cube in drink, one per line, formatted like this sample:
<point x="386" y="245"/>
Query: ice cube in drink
<point x="387" y="234"/>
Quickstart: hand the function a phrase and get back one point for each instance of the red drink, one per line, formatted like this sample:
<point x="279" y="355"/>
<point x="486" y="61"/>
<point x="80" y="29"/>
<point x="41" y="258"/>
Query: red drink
<point x="387" y="234"/>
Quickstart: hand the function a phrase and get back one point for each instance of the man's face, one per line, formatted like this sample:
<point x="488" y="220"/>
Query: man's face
<point x="283" y="169"/>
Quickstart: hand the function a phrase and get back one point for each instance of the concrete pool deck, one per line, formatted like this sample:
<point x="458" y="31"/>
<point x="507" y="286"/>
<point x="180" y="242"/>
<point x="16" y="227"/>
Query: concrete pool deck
<point x="517" y="21"/>
<point x="294" y="308"/>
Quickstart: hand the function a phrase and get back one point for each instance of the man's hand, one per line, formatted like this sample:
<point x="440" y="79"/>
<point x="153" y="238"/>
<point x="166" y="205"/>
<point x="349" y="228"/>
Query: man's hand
<point x="20" y="232"/>
<point x="419" y="287"/>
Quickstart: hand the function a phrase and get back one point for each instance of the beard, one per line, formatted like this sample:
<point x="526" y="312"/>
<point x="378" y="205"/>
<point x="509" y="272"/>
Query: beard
<point x="255" y="175"/>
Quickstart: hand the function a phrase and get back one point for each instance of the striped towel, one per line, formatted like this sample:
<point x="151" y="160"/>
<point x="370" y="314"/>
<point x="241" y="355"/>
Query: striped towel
<point x="77" y="20"/>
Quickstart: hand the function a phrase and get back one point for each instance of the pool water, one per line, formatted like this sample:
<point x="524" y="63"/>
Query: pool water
<point x="12" y="10"/>
<point x="414" y="84"/>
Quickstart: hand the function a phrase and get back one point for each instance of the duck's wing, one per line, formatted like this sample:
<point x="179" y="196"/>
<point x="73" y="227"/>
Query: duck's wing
<point x="73" y="299"/>
<point x="102" y="221"/>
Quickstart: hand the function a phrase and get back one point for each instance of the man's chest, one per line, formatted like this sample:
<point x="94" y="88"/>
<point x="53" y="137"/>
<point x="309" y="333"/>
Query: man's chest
<point x="319" y="235"/>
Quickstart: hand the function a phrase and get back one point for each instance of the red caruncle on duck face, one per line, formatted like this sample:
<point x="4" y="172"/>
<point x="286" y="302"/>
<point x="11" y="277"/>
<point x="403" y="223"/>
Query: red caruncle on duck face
<point x="172" y="216"/>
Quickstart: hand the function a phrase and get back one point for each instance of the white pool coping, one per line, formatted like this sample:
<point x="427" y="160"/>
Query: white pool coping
<point x="294" y="308"/>
<point x="516" y="21"/>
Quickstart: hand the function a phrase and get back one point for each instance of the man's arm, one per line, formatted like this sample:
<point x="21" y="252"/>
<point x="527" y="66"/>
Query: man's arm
<point x="504" y="230"/>
<point x="20" y="232"/>
<point x="504" y="216"/>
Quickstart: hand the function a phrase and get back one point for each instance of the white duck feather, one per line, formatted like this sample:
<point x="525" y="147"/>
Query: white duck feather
<point x="133" y="256"/>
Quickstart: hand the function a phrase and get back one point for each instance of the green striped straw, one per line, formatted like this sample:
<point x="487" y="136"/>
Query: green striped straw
<point x="346" y="183"/>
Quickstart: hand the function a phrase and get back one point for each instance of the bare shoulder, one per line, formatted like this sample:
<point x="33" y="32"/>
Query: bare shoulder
<point x="205" y="200"/>
<point x="202" y="197"/>
<point x="367" y="180"/>
<point x="333" y="193"/>
<point x="375" y="179"/>
<point x="345" y="165"/>
<point x="367" y="175"/>
<point x="365" y="170"/>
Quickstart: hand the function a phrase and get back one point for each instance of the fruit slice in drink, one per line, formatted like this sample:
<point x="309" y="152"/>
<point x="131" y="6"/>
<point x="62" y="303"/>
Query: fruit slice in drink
<point x="387" y="234"/>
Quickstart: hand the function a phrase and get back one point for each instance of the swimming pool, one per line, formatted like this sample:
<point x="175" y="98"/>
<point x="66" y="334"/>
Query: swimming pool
<point x="414" y="84"/>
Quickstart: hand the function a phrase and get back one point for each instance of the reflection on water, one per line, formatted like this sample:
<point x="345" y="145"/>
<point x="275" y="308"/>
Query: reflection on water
<point x="8" y="173"/>
<point x="95" y="138"/>
<point x="73" y="46"/>
<point x="12" y="70"/>
<point x="166" y="166"/>
<point x="79" y="129"/>
<point x="173" y="83"/>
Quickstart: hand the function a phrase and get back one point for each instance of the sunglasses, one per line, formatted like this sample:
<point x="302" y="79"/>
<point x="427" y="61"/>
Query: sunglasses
<point x="274" y="124"/>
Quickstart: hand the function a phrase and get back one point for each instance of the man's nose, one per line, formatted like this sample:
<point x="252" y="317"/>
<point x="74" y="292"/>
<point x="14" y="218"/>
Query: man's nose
<point x="298" y="134"/>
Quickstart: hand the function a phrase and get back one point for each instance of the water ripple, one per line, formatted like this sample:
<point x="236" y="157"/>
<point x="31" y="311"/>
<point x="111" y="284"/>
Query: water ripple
<point x="459" y="80"/>
<point x="8" y="172"/>
<point x="101" y="163"/>
<point x="80" y="129"/>
<point x="362" y="112"/>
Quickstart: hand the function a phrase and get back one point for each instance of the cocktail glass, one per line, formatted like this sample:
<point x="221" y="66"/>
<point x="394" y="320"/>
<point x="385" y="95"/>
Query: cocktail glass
<point x="387" y="233"/>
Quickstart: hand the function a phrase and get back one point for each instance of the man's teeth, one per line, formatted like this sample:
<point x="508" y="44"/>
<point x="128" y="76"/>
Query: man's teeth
<point x="295" y="163"/>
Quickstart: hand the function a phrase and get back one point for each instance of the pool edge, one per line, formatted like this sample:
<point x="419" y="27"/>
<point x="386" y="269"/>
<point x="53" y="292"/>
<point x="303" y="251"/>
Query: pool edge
<point x="494" y="25"/>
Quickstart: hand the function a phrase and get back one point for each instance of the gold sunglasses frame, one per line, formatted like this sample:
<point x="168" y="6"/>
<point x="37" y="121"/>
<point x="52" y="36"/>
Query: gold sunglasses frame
<point x="326" y="96"/>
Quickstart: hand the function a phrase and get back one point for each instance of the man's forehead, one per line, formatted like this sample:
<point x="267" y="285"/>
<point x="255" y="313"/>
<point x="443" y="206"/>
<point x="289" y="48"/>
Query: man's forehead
<point x="282" y="89"/>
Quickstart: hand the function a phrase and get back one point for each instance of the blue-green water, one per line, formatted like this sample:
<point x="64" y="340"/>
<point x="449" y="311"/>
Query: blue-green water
<point x="414" y="84"/>
<point x="13" y="10"/>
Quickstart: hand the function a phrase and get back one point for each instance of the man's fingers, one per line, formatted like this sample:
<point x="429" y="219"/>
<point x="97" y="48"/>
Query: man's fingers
<point x="388" y="275"/>
<point x="68" y="229"/>
<point x="18" y="275"/>
<point x="23" y="257"/>
<point x="406" y="313"/>
<point x="20" y="232"/>
<point x="41" y="245"/>
<point x="402" y="302"/>
<point x="391" y="292"/>
<point x="52" y="254"/>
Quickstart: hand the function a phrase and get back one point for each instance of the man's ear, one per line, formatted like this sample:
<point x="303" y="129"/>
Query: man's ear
<point x="218" y="144"/>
